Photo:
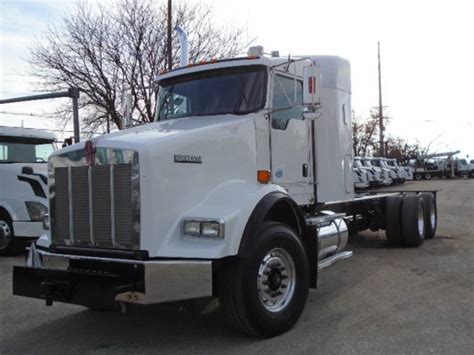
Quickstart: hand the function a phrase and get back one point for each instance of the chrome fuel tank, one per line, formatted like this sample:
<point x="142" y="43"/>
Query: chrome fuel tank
<point x="332" y="238"/>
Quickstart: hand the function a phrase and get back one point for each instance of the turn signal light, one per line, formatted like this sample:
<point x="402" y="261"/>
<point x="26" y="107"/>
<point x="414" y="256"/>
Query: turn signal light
<point x="264" y="176"/>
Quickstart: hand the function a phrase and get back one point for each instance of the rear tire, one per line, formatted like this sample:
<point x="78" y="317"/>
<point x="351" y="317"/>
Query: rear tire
<point x="431" y="214"/>
<point x="418" y="177"/>
<point x="264" y="293"/>
<point x="428" y="176"/>
<point x="393" y="219"/>
<point x="413" y="221"/>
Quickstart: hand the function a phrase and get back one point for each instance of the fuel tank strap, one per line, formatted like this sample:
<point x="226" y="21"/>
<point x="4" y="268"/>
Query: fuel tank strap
<point x="321" y="221"/>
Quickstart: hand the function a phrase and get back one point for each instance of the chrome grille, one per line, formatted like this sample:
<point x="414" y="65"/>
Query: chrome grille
<point x="92" y="206"/>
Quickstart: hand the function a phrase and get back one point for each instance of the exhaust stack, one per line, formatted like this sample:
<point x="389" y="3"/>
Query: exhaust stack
<point x="183" y="40"/>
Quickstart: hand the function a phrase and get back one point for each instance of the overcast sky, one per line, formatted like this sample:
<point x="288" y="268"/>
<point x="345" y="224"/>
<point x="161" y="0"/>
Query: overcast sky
<point x="427" y="56"/>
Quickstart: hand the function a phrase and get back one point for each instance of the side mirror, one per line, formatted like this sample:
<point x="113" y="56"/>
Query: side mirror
<point x="312" y="91"/>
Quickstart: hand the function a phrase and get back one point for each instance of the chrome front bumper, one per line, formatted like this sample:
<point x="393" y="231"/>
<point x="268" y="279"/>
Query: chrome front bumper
<point x="159" y="280"/>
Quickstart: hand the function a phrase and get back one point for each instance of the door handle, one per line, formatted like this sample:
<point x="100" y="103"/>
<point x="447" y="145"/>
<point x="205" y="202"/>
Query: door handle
<point x="305" y="170"/>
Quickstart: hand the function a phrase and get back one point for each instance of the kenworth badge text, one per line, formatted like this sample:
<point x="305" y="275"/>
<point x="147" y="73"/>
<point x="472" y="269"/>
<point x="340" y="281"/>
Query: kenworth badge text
<point x="241" y="189"/>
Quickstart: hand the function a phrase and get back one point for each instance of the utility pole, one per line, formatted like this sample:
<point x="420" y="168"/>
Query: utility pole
<point x="382" y="147"/>
<point x="168" y="42"/>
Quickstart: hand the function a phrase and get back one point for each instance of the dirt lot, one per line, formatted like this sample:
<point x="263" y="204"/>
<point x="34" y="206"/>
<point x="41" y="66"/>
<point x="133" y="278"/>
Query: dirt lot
<point x="383" y="300"/>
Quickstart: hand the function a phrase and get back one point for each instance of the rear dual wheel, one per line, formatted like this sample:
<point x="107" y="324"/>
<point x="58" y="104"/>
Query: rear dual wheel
<point x="413" y="221"/>
<point x="431" y="214"/>
<point x="410" y="219"/>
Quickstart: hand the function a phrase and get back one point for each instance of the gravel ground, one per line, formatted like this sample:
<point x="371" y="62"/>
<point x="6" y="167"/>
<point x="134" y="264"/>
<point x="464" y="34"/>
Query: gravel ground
<point x="382" y="300"/>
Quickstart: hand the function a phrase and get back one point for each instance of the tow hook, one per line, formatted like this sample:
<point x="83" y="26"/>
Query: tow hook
<point x="55" y="290"/>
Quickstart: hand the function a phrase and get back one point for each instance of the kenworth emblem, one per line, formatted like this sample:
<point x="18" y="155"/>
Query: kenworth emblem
<point x="89" y="152"/>
<point x="192" y="159"/>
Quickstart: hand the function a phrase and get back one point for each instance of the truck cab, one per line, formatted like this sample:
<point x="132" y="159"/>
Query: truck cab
<point x="23" y="192"/>
<point x="398" y="174"/>
<point x="373" y="176"/>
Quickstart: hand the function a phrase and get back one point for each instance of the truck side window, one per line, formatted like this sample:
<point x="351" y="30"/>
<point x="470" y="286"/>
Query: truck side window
<point x="284" y="98"/>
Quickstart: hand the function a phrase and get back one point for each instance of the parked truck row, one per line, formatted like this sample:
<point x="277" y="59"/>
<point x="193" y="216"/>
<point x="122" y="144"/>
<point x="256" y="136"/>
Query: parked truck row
<point x="369" y="172"/>
<point x="242" y="189"/>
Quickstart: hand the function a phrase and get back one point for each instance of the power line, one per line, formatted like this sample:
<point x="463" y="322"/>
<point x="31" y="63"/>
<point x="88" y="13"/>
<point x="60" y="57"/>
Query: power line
<point x="24" y="114"/>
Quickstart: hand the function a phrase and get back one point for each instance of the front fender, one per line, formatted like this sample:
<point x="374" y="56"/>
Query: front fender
<point x="234" y="202"/>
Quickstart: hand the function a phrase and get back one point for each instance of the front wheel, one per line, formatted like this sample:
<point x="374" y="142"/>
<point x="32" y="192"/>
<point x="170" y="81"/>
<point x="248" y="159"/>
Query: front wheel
<point x="8" y="243"/>
<point x="264" y="293"/>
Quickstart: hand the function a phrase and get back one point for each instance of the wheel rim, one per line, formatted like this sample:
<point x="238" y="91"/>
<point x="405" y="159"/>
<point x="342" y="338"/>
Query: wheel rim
<point x="5" y="234"/>
<point x="276" y="280"/>
<point x="432" y="215"/>
<point x="421" y="222"/>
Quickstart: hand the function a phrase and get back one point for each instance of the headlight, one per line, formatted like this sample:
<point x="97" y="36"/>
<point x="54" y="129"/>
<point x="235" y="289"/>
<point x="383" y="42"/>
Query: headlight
<point x="36" y="210"/>
<point x="204" y="228"/>
<point x="192" y="228"/>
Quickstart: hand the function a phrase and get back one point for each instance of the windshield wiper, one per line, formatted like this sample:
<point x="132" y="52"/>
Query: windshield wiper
<point x="242" y="96"/>
<point x="166" y="97"/>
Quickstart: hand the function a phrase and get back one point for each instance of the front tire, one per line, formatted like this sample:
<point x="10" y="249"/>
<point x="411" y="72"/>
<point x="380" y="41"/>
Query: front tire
<point x="264" y="293"/>
<point x="8" y="244"/>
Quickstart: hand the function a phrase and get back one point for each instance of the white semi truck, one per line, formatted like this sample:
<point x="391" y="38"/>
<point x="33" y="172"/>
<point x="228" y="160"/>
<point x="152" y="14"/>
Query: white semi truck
<point x="23" y="185"/>
<point x="241" y="189"/>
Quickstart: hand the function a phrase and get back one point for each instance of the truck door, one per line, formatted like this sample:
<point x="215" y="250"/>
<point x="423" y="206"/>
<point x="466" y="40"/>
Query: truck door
<point x="290" y="140"/>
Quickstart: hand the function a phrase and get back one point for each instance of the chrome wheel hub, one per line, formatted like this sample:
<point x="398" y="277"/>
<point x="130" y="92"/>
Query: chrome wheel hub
<point x="421" y="221"/>
<point x="276" y="280"/>
<point x="432" y="216"/>
<point x="5" y="234"/>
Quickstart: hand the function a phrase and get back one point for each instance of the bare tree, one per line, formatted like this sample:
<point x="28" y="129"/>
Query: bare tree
<point x="364" y="134"/>
<point x="105" y="50"/>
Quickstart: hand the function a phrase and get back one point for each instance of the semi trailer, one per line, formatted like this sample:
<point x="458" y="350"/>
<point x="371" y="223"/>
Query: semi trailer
<point x="23" y="185"/>
<point x="241" y="190"/>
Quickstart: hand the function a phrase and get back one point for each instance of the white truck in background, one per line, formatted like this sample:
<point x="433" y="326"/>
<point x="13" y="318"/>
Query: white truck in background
<point x="24" y="154"/>
<point x="374" y="175"/>
<point x="398" y="175"/>
<point x="241" y="189"/>
<point x="383" y="172"/>
<point x="361" y="178"/>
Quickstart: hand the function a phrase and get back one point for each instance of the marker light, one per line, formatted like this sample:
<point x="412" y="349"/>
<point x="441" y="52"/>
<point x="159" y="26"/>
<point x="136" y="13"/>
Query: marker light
<point x="264" y="176"/>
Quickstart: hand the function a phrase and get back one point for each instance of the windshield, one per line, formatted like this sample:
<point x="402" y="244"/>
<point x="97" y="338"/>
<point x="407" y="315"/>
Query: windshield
<point x="237" y="90"/>
<point x="15" y="150"/>
<point x="367" y="163"/>
<point x="357" y="163"/>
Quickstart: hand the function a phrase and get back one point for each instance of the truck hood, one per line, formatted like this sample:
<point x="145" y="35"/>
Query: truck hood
<point x="151" y="133"/>
<point x="16" y="168"/>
